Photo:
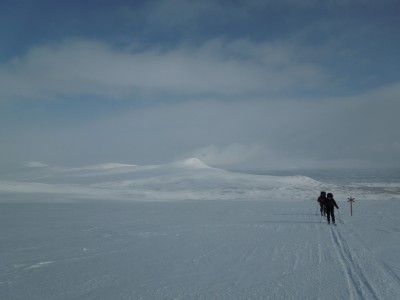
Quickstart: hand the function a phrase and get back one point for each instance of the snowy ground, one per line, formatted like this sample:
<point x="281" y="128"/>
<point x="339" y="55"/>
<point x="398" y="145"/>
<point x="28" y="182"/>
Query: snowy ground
<point x="230" y="236"/>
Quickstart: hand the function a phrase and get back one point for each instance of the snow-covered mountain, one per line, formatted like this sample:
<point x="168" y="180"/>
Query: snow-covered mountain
<point x="188" y="179"/>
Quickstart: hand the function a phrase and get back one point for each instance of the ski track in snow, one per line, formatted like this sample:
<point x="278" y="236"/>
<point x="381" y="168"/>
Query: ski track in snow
<point x="196" y="250"/>
<point x="366" y="276"/>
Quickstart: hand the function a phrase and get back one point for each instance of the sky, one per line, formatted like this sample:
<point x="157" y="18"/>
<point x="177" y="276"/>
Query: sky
<point x="255" y="84"/>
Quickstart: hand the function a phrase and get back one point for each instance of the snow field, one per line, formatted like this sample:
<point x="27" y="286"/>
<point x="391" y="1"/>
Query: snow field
<point x="185" y="230"/>
<point x="198" y="250"/>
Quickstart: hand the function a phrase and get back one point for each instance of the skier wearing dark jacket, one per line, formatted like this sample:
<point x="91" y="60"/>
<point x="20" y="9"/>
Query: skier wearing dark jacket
<point x="321" y="201"/>
<point x="330" y="205"/>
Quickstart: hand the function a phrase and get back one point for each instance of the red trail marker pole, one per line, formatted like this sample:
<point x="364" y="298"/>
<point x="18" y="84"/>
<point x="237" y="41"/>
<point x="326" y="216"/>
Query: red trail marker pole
<point x="351" y="200"/>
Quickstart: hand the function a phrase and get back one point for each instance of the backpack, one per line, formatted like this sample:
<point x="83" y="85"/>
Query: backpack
<point x="329" y="203"/>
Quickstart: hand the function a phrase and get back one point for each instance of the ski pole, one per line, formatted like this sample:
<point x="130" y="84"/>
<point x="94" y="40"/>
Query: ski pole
<point x="340" y="219"/>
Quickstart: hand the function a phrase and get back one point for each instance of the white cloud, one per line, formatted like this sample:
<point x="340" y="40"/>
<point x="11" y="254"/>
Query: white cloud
<point x="35" y="164"/>
<point x="232" y="154"/>
<point x="256" y="128"/>
<point x="356" y="131"/>
<point x="76" y="67"/>
<point x="257" y="133"/>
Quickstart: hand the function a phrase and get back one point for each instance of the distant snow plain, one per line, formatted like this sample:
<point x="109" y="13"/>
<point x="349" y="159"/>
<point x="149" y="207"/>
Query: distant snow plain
<point x="185" y="230"/>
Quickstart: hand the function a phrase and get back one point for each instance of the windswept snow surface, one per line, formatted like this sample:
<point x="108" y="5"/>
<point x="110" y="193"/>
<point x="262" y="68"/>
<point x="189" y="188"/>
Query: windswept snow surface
<point x="57" y="241"/>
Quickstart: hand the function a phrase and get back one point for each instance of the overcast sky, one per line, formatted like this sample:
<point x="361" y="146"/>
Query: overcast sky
<point x="239" y="84"/>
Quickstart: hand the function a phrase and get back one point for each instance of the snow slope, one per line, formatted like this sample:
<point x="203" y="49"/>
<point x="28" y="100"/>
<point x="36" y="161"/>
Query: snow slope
<point x="58" y="242"/>
<point x="183" y="180"/>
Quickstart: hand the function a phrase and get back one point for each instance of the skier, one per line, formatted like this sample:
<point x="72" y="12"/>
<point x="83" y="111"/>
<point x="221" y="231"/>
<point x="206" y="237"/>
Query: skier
<point x="321" y="201"/>
<point x="330" y="205"/>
